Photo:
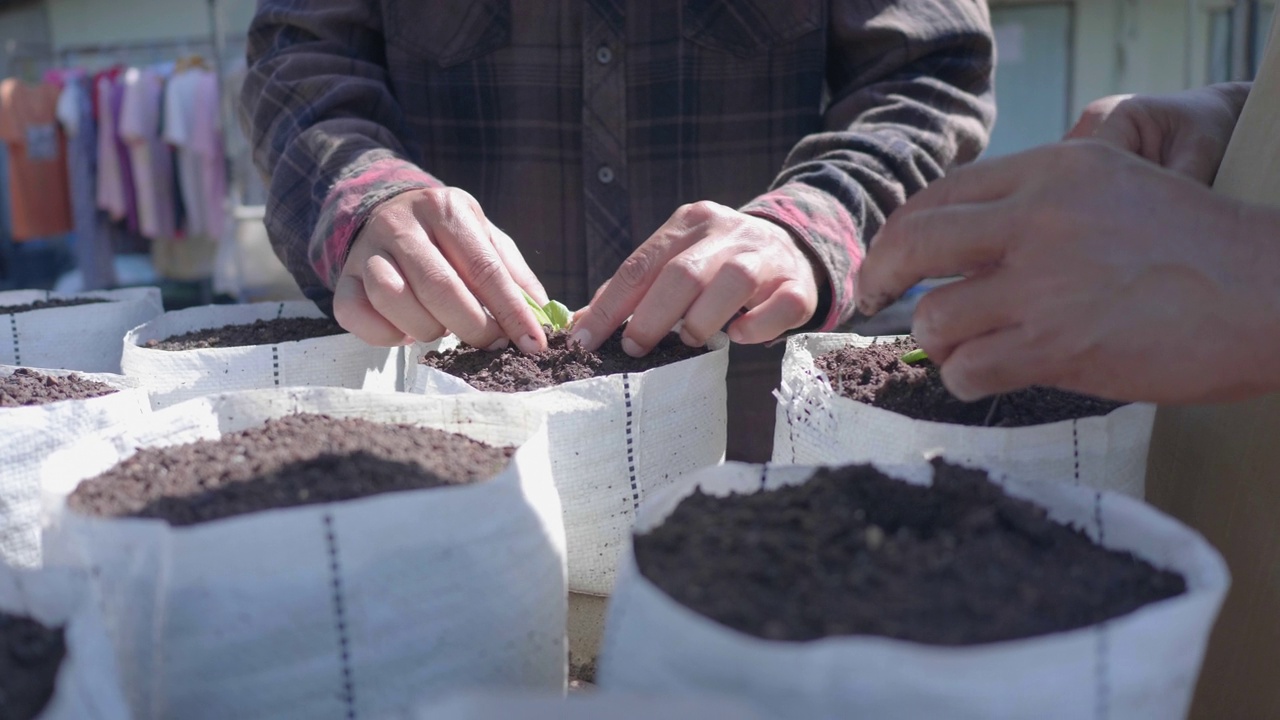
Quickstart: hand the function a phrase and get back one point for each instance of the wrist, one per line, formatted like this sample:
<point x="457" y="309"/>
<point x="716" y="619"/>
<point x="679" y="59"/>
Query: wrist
<point x="821" y="279"/>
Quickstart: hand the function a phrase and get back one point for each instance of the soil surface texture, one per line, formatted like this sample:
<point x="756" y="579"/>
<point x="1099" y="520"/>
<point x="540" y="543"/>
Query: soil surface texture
<point x="290" y="461"/>
<point x="30" y="656"/>
<point x="26" y="387"/>
<point x="854" y="552"/>
<point x="48" y="305"/>
<point x="259" y="332"/>
<point x="877" y="376"/>
<point x="511" y="370"/>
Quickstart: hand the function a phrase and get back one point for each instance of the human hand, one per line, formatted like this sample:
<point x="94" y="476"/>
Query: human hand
<point x="1088" y="269"/>
<point x="1186" y="132"/>
<point x="428" y="262"/>
<point x="704" y="265"/>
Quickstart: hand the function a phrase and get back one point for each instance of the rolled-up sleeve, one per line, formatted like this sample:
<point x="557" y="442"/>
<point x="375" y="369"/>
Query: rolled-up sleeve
<point x="911" y="95"/>
<point x="324" y="126"/>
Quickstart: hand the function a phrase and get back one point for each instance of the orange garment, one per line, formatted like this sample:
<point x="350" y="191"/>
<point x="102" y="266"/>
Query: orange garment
<point x="39" y="191"/>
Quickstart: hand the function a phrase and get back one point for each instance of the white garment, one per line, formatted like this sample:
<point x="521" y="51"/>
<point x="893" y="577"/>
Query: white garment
<point x="180" y="107"/>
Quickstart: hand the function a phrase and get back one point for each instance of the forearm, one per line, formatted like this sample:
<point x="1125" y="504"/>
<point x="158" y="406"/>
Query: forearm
<point x="910" y="99"/>
<point x="323" y="124"/>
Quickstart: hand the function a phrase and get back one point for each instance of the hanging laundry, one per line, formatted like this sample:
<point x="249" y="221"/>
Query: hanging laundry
<point x="38" y="186"/>
<point x="94" y="253"/>
<point x="152" y="162"/>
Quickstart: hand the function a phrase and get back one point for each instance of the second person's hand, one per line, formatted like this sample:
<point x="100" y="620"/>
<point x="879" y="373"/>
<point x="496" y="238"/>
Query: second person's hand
<point x="429" y="262"/>
<point x="704" y="266"/>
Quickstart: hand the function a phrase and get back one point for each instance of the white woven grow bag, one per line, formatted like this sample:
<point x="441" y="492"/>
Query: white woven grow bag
<point x="88" y="684"/>
<point x="342" y="361"/>
<point x="31" y="433"/>
<point x="81" y="337"/>
<point x="1140" y="666"/>
<point x="614" y="440"/>
<point x="350" y="609"/>
<point x="817" y="426"/>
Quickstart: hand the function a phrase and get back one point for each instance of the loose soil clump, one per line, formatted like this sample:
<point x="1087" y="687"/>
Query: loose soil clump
<point x="26" y="388"/>
<point x="876" y="375"/>
<point x="855" y="552"/>
<point x="30" y="657"/>
<point x="291" y="461"/>
<point x="259" y="332"/>
<point x="510" y="370"/>
<point x="48" y="305"/>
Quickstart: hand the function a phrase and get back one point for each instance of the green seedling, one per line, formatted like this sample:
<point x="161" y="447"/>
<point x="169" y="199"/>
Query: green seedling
<point x="915" y="356"/>
<point x="553" y="315"/>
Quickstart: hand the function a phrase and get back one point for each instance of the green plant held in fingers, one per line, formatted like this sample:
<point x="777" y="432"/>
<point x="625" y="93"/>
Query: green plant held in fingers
<point x="554" y="314"/>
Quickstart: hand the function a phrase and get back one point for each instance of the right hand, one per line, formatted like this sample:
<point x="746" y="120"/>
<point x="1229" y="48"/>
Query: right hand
<point x="428" y="263"/>
<point x="1185" y="132"/>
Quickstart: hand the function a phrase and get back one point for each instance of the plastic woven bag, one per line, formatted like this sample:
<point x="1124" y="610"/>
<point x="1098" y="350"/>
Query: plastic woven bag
<point x="347" y="609"/>
<point x="88" y="684"/>
<point x="817" y="426"/>
<point x="31" y="433"/>
<point x="614" y="440"/>
<point x="173" y="376"/>
<point x="79" y="337"/>
<point x="1139" y="666"/>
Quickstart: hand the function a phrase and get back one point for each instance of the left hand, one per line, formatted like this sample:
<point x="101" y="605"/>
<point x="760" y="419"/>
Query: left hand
<point x="704" y="265"/>
<point x="1089" y="269"/>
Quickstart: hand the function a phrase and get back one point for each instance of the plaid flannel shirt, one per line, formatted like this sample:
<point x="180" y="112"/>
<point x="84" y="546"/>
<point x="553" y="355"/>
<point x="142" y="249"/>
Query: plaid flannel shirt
<point x="581" y="125"/>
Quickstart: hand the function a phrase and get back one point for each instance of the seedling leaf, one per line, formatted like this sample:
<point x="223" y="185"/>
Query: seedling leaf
<point x="553" y="315"/>
<point x="915" y="356"/>
<point x="558" y="314"/>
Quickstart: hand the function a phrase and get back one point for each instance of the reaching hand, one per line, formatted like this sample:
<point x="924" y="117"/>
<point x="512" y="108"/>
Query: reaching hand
<point x="1186" y="132"/>
<point x="1088" y="269"/>
<point x="428" y="262"/>
<point x="705" y="265"/>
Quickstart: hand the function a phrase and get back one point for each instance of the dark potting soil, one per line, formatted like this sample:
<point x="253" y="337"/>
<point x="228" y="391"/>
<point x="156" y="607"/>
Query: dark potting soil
<point x="288" y="462"/>
<point x="259" y="332"/>
<point x="510" y="370"/>
<point x="877" y="376"/>
<point x="30" y="656"/>
<point x="854" y="552"/>
<point x="48" y="305"/>
<point x="26" y="387"/>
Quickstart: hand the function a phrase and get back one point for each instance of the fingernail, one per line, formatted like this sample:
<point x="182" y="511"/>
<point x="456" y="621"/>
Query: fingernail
<point x="688" y="339"/>
<point x="500" y="344"/>
<point x="632" y="348"/>
<point x="580" y="336"/>
<point x="528" y="344"/>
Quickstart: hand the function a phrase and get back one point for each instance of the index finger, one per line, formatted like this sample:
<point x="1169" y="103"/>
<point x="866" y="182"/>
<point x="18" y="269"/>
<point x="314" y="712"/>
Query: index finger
<point x="955" y="225"/>
<point x="621" y="294"/>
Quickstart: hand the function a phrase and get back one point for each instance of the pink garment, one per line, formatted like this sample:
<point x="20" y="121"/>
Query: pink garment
<point x="110" y="179"/>
<point x="206" y="140"/>
<point x="152" y="159"/>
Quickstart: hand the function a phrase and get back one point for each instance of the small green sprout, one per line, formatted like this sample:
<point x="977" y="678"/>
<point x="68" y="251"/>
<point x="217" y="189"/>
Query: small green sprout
<point x="915" y="356"/>
<point x="553" y="315"/>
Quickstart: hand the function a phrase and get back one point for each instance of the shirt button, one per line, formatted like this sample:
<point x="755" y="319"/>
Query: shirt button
<point x="605" y="174"/>
<point x="604" y="55"/>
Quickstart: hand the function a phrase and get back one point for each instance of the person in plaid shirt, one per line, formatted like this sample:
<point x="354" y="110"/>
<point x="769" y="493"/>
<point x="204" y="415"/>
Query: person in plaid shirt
<point x="712" y="161"/>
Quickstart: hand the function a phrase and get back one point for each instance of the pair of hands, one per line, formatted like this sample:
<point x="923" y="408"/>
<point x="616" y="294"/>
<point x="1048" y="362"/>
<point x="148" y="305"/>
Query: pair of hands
<point x="429" y="262"/>
<point x="1103" y="265"/>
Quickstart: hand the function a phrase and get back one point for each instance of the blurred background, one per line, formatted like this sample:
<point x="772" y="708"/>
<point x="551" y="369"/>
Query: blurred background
<point x="1054" y="57"/>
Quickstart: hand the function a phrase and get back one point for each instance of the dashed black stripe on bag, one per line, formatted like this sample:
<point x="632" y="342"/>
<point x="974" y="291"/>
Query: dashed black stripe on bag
<point x="1075" y="447"/>
<point x="1102" y="644"/>
<point x="340" y="617"/>
<point x="631" y="442"/>
<point x="280" y="311"/>
<point x="275" y="364"/>
<point x="17" y="347"/>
